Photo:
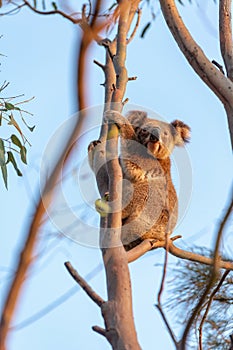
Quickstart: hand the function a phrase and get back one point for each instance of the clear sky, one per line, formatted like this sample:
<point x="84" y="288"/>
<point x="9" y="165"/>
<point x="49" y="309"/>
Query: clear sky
<point x="41" y="53"/>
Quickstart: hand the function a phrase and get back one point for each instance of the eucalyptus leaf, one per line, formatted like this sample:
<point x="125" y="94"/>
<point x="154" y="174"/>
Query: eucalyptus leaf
<point x="9" y="106"/>
<point x="23" y="154"/>
<point x="16" y="141"/>
<point x="4" y="174"/>
<point x="145" y="29"/>
<point x="10" y="158"/>
<point x="2" y="153"/>
<point x="54" y="5"/>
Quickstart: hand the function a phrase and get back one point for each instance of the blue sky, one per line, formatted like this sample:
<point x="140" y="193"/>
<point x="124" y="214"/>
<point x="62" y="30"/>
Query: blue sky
<point x="40" y="62"/>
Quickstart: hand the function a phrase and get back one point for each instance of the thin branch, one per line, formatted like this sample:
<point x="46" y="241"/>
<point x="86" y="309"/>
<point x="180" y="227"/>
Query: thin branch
<point x="184" y="254"/>
<point x="84" y="285"/>
<point x="216" y="289"/>
<point x="225" y="35"/>
<point x="53" y="12"/>
<point x="159" y="306"/>
<point x="139" y="13"/>
<point x="215" y="269"/>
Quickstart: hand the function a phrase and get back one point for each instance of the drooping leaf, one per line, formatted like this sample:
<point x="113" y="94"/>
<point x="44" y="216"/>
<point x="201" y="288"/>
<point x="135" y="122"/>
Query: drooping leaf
<point x="0" y="119"/>
<point x="2" y="153"/>
<point x="54" y="5"/>
<point x="31" y="128"/>
<point x="15" y="124"/>
<point x="9" y="106"/>
<point x="16" y="141"/>
<point x="147" y="26"/>
<point x="34" y="3"/>
<point x="4" y="174"/>
<point x="23" y="154"/>
<point x="10" y="158"/>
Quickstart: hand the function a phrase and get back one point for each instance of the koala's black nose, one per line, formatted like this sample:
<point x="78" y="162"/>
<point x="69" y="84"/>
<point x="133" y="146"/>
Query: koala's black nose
<point x="155" y="135"/>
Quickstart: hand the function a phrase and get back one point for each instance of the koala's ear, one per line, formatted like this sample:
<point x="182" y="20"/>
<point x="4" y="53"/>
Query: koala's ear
<point x="136" y="118"/>
<point x="181" y="132"/>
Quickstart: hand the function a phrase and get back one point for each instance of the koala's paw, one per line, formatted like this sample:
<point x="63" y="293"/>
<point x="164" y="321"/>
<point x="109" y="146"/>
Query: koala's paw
<point x="91" y="152"/>
<point x="114" y="117"/>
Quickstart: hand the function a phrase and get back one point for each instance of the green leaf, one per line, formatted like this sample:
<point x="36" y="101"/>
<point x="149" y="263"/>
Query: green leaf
<point x="31" y="128"/>
<point x="16" y="141"/>
<point x="54" y="5"/>
<point x="34" y="3"/>
<point x="4" y="174"/>
<point x="145" y="29"/>
<point x="0" y="119"/>
<point x="9" y="106"/>
<point x="10" y="158"/>
<point x="23" y="154"/>
<point x="2" y="153"/>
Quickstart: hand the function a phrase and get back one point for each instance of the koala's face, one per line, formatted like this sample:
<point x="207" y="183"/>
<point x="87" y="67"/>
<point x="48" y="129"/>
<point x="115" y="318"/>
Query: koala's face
<point x="158" y="137"/>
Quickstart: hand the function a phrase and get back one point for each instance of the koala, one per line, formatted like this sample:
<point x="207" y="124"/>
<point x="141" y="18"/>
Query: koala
<point x="149" y="200"/>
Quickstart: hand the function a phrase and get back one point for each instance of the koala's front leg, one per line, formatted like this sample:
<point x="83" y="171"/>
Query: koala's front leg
<point x="97" y="162"/>
<point x="122" y="123"/>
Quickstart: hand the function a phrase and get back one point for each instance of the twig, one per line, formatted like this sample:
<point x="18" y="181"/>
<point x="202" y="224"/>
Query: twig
<point x="139" y="13"/>
<point x="209" y="304"/>
<point x="84" y="285"/>
<point x="100" y="330"/>
<point x="102" y="66"/>
<point x="159" y="306"/>
<point x="53" y="12"/>
<point x="219" y="66"/>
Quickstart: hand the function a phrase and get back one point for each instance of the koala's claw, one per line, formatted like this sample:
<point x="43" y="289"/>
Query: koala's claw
<point x="93" y="144"/>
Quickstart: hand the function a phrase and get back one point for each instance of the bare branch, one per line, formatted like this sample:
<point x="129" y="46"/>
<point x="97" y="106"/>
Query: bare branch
<point x="84" y="285"/>
<point x="225" y="34"/>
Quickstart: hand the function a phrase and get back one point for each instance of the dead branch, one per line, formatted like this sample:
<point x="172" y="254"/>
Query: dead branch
<point x="83" y="284"/>
<point x="225" y="35"/>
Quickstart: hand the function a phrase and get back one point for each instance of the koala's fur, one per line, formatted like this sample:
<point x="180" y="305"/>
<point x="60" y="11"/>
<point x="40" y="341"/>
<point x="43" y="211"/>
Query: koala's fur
<point x="150" y="206"/>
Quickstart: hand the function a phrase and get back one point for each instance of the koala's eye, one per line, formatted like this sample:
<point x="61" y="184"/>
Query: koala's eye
<point x="165" y="133"/>
<point x="144" y="131"/>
